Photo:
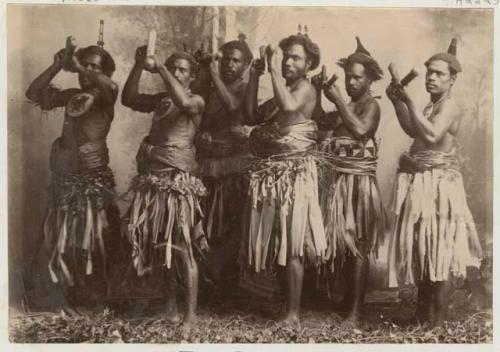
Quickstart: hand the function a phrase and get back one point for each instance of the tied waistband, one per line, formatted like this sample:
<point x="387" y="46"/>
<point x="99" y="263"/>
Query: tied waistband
<point x="89" y="156"/>
<point x="414" y="162"/>
<point x="350" y="156"/>
<point x="271" y="139"/>
<point x="157" y="158"/>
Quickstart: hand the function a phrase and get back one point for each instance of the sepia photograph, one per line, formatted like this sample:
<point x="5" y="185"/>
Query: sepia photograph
<point x="249" y="174"/>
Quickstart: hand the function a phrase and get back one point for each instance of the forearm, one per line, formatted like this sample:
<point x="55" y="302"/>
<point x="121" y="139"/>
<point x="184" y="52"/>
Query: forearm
<point x="228" y="100"/>
<point x="349" y="119"/>
<point x="131" y="88"/>
<point x="177" y="91"/>
<point x="283" y="98"/>
<point x="250" y="105"/>
<point x="403" y="117"/>
<point x="108" y="88"/>
<point x="42" y="82"/>
<point x="423" y="127"/>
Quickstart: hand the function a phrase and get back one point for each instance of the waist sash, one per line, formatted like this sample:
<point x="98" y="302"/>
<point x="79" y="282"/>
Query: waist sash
<point x="89" y="156"/>
<point x="271" y="139"/>
<point x="164" y="156"/>
<point x="414" y="162"/>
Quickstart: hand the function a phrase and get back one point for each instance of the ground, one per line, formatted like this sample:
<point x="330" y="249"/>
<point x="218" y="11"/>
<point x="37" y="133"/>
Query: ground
<point x="252" y="320"/>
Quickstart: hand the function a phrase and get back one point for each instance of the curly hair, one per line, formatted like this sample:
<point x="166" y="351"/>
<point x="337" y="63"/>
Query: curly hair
<point x="238" y="45"/>
<point x="372" y="68"/>
<point x="184" y="56"/>
<point x="107" y="63"/>
<point x="311" y="48"/>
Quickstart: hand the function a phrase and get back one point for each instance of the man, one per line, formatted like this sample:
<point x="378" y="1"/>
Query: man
<point x="81" y="215"/>
<point x="352" y="206"/>
<point x="283" y="182"/>
<point x="165" y="208"/>
<point x="223" y="157"/>
<point x="434" y="237"/>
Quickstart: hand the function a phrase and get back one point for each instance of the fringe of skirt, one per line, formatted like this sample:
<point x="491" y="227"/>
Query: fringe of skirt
<point x="434" y="233"/>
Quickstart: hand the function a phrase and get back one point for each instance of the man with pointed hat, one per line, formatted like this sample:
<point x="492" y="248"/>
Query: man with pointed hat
<point x="351" y="202"/>
<point x="82" y="221"/>
<point x="285" y="226"/>
<point x="164" y="219"/>
<point x="434" y="236"/>
<point x="223" y="157"/>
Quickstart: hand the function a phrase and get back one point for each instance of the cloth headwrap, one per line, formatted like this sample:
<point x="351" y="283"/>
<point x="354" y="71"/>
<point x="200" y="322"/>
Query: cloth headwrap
<point x="450" y="57"/>
<point x="363" y="57"/>
<point x="240" y="45"/>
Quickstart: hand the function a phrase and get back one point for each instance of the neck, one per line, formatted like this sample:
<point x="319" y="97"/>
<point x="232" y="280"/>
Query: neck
<point x="294" y="83"/>
<point x="360" y="97"/>
<point x="439" y="96"/>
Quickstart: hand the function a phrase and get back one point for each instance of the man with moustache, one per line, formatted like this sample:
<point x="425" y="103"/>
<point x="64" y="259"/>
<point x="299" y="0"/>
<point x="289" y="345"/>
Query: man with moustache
<point x="82" y="218"/>
<point x="285" y="225"/>
<point x="352" y="206"/>
<point x="164" y="217"/>
<point x="223" y="157"/>
<point x="435" y="237"/>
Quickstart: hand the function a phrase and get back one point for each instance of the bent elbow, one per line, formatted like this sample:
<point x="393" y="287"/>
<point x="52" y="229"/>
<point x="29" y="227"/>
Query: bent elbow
<point x="30" y="95"/>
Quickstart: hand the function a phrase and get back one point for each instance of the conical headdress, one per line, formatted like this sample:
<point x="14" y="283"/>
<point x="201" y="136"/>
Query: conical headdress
<point x="450" y="57"/>
<point x="363" y="57"/>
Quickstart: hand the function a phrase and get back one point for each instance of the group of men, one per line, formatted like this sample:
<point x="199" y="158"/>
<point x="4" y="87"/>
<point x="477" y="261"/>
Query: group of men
<point x="237" y="186"/>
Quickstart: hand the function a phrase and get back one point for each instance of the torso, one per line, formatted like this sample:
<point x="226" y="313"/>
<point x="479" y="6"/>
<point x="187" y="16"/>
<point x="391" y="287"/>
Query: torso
<point x="86" y="121"/>
<point x="447" y="143"/>
<point x="358" y="108"/>
<point x="216" y="117"/>
<point x="306" y="113"/>
<point x="172" y="125"/>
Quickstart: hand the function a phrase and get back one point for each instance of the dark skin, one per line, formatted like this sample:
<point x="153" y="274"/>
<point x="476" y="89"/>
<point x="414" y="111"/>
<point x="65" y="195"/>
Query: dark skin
<point x="91" y="126"/>
<point x="296" y="100"/>
<point x="179" y="127"/>
<point x="434" y="133"/>
<point x="359" y="120"/>
<point x="226" y="75"/>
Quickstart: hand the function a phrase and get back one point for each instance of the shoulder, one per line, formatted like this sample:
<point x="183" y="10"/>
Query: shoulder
<point x="305" y="88"/>
<point x="450" y="107"/>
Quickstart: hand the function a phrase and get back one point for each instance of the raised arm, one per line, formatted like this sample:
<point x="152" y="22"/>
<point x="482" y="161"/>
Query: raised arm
<point x="431" y="132"/>
<point x="107" y="88"/>
<point x="250" y="103"/>
<point x="401" y="110"/>
<point x="358" y="125"/>
<point x="230" y="101"/>
<point x="131" y="97"/>
<point x="192" y="104"/>
<point x="287" y="101"/>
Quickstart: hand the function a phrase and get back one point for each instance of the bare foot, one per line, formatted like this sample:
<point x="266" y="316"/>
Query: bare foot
<point x="289" y="321"/>
<point x="351" y="322"/>
<point x="172" y="317"/>
<point x="186" y="326"/>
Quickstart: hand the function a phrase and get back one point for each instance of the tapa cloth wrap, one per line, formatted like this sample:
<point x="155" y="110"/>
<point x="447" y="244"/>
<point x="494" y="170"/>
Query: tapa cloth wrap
<point x="350" y="198"/>
<point x="284" y="195"/>
<point x="223" y="161"/>
<point x="434" y="232"/>
<point x="165" y="205"/>
<point x="80" y="211"/>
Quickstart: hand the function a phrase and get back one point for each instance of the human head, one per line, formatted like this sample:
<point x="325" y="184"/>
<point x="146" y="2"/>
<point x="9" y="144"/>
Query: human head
<point x="442" y="70"/>
<point x="94" y="58"/>
<point x="183" y="67"/>
<point x="300" y="55"/>
<point x="236" y="56"/>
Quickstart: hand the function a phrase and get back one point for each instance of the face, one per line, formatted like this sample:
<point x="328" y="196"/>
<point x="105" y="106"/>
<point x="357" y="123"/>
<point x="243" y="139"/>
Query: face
<point x="295" y="63"/>
<point x="232" y="65"/>
<point x="92" y="63"/>
<point x="357" y="82"/>
<point x="438" y="78"/>
<point x="181" y="70"/>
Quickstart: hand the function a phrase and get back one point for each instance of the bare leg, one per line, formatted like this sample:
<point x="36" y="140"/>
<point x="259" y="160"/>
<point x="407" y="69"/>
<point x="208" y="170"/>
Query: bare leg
<point x="424" y="302"/>
<point x="171" y="309"/>
<point x="357" y="288"/>
<point x="190" y="280"/>
<point x="442" y="292"/>
<point x="294" y="276"/>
